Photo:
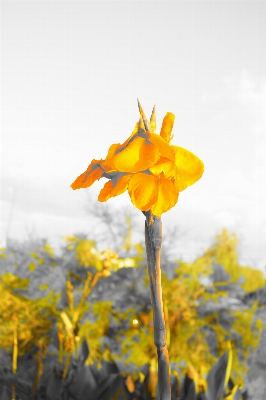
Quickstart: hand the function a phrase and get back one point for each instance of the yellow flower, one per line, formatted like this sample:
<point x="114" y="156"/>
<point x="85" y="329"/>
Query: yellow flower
<point x="152" y="170"/>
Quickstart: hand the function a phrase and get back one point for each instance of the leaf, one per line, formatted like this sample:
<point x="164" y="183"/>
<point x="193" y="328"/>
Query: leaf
<point x="216" y="378"/>
<point x="67" y="322"/>
<point x="44" y="286"/>
<point x="31" y="266"/>
<point x="116" y="391"/>
<point x="152" y="382"/>
<point x="34" y="255"/>
<point x="201" y="396"/>
<point x="23" y="389"/>
<point x="174" y="387"/>
<point x="54" y="387"/>
<point x="48" y="249"/>
<point x="84" y="383"/>
<point x="229" y="364"/>
<point x="108" y="368"/>
<point x="245" y="395"/>
<point x="130" y="384"/>
<point x="189" y="391"/>
<point x="5" y="393"/>
<point x="237" y="395"/>
<point x="84" y="351"/>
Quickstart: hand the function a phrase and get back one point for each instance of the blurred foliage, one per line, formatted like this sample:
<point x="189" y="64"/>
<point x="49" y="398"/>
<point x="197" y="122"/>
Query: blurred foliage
<point x="201" y="316"/>
<point x="57" y="302"/>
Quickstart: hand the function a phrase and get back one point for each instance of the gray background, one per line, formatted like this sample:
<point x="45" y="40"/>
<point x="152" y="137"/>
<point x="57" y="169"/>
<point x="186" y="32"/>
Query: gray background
<point x="71" y="75"/>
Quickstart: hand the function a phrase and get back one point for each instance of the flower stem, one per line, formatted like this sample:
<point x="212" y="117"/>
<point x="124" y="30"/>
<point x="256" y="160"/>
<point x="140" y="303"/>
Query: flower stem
<point x="153" y="241"/>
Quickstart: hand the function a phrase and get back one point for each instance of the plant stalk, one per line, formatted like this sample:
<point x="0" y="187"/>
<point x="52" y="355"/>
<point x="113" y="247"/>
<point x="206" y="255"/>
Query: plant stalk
<point x="153" y="241"/>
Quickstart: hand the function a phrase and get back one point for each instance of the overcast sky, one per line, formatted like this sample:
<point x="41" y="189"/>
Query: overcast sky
<point x="71" y="75"/>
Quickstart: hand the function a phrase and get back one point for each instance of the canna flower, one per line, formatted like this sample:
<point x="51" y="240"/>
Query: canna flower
<point x="152" y="170"/>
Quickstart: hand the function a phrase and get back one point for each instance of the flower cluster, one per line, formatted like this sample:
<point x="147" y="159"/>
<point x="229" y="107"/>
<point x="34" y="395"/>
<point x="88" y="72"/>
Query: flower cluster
<point x="152" y="170"/>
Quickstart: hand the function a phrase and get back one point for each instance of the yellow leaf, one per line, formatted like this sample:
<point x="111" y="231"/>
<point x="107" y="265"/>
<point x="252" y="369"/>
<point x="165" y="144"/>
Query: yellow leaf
<point x="32" y="266"/>
<point x="130" y="384"/>
<point x="67" y="322"/>
<point x="73" y="239"/>
<point x="48" y="249"/>
<point x="44" y="286"/>
<point x="34" y="255"/>
<point x="229" y="364"/>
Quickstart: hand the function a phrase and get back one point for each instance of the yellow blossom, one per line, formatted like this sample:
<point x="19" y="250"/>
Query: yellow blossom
<point x="153" y="171"/>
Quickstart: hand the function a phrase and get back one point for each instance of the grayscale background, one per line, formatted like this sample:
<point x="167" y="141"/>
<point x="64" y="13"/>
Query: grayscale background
<point x="71" y="75"/>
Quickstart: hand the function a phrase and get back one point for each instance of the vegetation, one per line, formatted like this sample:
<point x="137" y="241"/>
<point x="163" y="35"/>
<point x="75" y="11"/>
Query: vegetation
<point x="80" y="322"/>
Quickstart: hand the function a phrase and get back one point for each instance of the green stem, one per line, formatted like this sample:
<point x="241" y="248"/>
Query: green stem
<point x="66" y="366"/>
<point x="153" y="241"/>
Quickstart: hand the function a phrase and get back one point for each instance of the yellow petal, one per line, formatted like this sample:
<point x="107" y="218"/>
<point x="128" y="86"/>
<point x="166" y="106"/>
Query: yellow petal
<point x="112" y="150"/>
<point x="88" y="177"/>
<point x="135" y="131"/>
<point x="142" y="190"/>
<point x="137" y="156"/>
<point x="189" y="168"/>
<point x="164" y="148"/>
<point x="114" y="187"/>
<point x="167" y="127"/>
<point x="167" y="196"/>
<point x="164" y="165"/>
<point x="116" y="147"/>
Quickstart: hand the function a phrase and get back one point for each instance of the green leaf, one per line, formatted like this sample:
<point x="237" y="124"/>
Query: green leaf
<point x="5" y="392"/>
<point x="31" y="266"/>
<point x="84" y="351"/>
<point x="189" y="391"/>
<point x="44" y="286"/>
<point x="48" y="250"/>
<point x="84" y="384"/>
<point x="34" y="255"/>
<point x="216" y="378"/>
<point x="54" y="387"/>
<point x="237" y="395"/>
<point x="116" y="390"/>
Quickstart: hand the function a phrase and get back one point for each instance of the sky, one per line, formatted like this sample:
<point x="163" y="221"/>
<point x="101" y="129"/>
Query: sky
<point x="71" y="73"/>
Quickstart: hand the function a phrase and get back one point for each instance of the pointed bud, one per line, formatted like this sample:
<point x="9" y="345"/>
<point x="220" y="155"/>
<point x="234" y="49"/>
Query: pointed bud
<point x="145" y="121"/>
<point x="167" y="126"/>
<point x="141" y="124"/>
<point x="153" y="120"/>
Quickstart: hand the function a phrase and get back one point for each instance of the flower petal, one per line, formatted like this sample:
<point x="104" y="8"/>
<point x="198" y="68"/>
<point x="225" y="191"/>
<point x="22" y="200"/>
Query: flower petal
<point x="189" y="167"/>
<point x="142" y="190"/>
<point x="167" y="127"/>
<point x="164" y="165"/>
<point x="135" y="131"/>
<point x="138" y="155"/>
<point x="112" y="150"/>
<point x="164" y="148"/>
<point x="85" y="180"/>
<point x="115" y="186"/>
<point x="108" y="162"/>
<point x="167" y="196"/>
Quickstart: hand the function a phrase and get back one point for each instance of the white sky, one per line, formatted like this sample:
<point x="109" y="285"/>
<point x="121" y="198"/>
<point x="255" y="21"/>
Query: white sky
<point x="71" y="75"/>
